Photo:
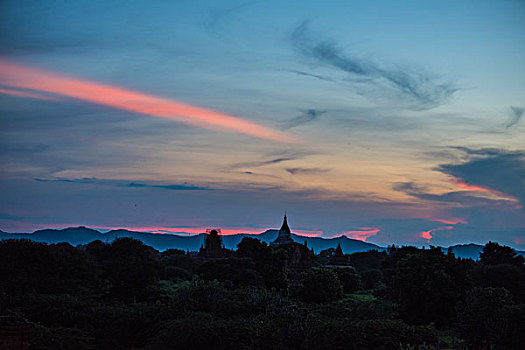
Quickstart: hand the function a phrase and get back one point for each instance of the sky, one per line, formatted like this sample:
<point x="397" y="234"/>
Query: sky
<point x="389" y="122"/>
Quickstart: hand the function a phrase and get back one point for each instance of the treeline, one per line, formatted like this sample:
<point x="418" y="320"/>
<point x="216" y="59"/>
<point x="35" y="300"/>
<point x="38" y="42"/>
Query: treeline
<point x="126" y="295"/>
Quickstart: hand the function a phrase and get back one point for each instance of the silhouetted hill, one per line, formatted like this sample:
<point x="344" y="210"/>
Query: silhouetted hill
<point x="348" y="245"/>
<point x="83" y="235"/>
<point x="471" y="250"/>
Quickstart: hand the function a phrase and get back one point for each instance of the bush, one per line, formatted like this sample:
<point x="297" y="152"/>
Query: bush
<point x="371" y="279"/>
<point x="349" y="279"/>
<point x="318" y="285"/>
<point x="488" y="318"/>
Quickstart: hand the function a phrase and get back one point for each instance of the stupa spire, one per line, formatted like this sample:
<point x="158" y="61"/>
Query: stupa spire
<point x="285" y="235"/>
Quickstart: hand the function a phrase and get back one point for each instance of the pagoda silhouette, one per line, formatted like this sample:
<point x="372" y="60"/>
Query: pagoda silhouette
<point x="299" y="257"/>
<point x="285" y="235"/>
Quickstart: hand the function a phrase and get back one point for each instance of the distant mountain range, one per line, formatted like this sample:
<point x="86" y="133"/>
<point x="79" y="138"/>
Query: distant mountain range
<point x="84" y="235"/>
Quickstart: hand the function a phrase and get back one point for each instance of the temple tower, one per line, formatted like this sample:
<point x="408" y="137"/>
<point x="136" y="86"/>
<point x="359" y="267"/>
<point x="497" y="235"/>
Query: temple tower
<point x="285" y="235"/>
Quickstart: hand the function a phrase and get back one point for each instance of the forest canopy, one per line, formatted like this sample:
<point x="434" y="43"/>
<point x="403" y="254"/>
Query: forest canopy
<point x="126" y="295"/>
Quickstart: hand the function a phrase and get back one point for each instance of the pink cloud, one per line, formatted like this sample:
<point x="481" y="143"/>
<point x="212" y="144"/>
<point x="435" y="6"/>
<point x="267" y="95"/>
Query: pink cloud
<point x="452" y="221"/>
<point x="25" y="94"/>
<point x="362" y="234"/>
<point x="469" y="187"/>
<point x="306" y="233"/>
<point x="19" y="76"/>
<point x="428" y="234"/>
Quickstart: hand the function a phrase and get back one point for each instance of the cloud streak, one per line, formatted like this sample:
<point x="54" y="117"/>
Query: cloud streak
<point x="122" y="183"/>
<point x="306" y="117"/>
<point x="18" y="76"/>
<point x="306" y="74"/>
<point x="306" y="171"/>
<point x="257" y="164"/>
<point x="516" y="114"/>
<point x="417" y="86"/>
<point x="25" y="94"/>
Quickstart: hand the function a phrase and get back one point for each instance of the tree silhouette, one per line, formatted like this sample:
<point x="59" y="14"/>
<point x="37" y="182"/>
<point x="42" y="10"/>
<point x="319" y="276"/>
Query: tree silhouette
<point x="495" y="254"/>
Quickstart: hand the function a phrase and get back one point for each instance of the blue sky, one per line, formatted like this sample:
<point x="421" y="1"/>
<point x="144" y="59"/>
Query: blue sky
<point x="400" y="119"/>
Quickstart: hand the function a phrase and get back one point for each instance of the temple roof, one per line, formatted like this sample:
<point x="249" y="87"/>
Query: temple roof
<point x="285" y="235"/>
<point x="284" y="226"/>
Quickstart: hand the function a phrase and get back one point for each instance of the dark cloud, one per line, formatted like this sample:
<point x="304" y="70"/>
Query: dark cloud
<point x="123" y="183"/>
<point x="306" y="171"/>
<point x="486" y="151"/>
<point x="85" y="180"/>
<point x="306" y="74"/>
<point x="256" y="164"/>
<point x="183" y="187"/>
<point x="497" y="170"/>
<point x="516" y="114"/>
<point x="307" y="116"/>
<point x="409" y="188"/>
<point x="500" y="170"/>
<point x="418" y="86"/>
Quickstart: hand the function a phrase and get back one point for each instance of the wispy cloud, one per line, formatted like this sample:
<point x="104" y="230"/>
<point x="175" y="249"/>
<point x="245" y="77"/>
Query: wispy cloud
<point x="176" y="187"/>
<point x="307" y="116"/>
<point x="306" y="171"/>
<point x="85" y="180"/>
<point x="256" y="164"/>
<point x="418" y="86"/>
<point x="515" y="115"/>
<point x="306" y="74"/>
<point x="123" y="183"/>
<point x="27" y="94"/>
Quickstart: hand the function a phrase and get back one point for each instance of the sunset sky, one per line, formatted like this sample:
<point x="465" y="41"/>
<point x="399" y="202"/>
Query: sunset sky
<point x="385" y="121"/>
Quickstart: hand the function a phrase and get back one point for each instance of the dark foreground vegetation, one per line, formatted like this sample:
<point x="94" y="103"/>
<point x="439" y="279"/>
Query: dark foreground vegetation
<point x="126" y="295"/>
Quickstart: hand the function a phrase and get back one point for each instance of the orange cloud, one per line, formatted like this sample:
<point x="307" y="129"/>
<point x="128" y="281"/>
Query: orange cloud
<point x="362" y="235"/>
<point x="469" y="187"/>
<point x="25" y="94"/>
<point x="19" y="76"/>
